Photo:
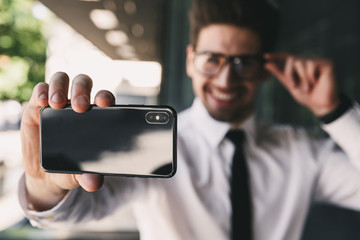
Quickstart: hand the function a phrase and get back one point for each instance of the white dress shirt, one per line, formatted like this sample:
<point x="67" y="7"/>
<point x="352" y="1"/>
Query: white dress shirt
<point x="289" y="168"/>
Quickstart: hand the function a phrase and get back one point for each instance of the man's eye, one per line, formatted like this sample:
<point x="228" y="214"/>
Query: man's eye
<point x="249" y="62"/>
<point x="213" y="60"/>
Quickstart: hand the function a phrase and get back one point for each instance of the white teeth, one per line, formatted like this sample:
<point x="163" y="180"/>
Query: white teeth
<point x="223" y="96"/>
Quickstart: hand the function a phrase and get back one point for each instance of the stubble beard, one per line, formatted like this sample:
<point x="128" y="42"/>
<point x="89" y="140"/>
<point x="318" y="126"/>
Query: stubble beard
<point x="232" y="115"/>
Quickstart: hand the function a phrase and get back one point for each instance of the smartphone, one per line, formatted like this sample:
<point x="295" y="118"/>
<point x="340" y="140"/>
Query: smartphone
<point x="126" y="140"/>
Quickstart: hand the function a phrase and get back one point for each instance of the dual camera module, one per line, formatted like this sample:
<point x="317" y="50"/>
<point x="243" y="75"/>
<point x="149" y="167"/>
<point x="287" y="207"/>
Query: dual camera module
<point x="157" y="117"/>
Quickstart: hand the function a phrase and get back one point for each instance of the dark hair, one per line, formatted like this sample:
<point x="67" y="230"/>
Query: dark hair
<point x="256" y="15"/>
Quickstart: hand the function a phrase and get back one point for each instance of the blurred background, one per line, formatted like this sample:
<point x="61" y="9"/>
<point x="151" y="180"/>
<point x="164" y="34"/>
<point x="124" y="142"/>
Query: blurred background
<point x="136" y="49"/>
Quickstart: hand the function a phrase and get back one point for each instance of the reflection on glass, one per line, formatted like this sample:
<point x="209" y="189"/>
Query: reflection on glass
<point x="115" y="140"/>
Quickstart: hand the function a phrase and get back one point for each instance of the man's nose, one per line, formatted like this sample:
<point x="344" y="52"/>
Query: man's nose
<point x="225" y="76"/>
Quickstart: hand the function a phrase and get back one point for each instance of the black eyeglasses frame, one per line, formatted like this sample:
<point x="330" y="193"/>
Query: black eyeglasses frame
<point x="233" y="60"/>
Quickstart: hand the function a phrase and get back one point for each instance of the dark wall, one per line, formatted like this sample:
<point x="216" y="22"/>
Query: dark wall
<point x="324" y="28"/>
<point x="176" y="86"/>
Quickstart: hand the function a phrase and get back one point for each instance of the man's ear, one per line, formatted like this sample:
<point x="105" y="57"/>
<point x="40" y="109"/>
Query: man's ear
<point x="190" y="60"/>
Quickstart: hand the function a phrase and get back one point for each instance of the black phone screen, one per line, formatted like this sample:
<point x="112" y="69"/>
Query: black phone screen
<point x="124" y="140"/>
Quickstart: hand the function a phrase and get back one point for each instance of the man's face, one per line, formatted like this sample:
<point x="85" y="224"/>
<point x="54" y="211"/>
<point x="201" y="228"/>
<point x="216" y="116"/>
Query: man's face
<point x="226" y="95"/>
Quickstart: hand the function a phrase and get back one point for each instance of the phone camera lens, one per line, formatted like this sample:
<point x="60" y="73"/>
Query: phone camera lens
<point x="157" y="117"/>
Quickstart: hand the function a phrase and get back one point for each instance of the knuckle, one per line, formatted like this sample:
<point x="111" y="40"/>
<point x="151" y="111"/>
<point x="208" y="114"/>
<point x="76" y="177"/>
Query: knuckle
<point x="298" y="62"/>
<point x="309" y="62"/>
<point x="40" y="88"/>
<point x="73" y="179"/>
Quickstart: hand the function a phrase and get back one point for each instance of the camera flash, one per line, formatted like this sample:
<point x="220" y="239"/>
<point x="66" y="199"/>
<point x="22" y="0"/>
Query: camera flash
<point x="153" y="117"/>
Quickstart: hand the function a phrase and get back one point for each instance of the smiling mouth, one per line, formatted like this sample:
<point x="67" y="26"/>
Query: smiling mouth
<point x="223" y="96"/>
<point x="226" y="96"/>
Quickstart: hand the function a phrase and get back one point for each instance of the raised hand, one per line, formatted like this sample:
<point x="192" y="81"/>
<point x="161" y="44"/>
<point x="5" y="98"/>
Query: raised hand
<point x="44" y="189"/>
<point x="311" y="82"/>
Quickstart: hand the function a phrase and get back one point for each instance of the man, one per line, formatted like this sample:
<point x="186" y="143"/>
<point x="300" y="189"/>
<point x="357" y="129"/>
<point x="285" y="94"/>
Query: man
<point x="288" y="168"/>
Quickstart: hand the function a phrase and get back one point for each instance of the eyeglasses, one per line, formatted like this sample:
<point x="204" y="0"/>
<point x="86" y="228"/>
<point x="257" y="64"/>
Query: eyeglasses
<point x="245" y="66"/>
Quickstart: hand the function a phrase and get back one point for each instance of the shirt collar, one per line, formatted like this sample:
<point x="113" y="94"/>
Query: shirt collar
<point x="248" y="126"/>
<point x="213" y="130"/>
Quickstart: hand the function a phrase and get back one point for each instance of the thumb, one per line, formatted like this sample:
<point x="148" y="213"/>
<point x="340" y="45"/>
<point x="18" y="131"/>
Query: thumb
<point x="90" y="182"/>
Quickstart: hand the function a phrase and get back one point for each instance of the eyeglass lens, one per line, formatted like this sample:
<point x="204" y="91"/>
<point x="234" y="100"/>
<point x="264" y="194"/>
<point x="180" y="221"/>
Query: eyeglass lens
<point x="246" y="66"/>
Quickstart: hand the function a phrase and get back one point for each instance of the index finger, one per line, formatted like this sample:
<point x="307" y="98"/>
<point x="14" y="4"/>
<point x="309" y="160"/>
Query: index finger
<point x="39" y="97"/>
<point x="276" y="56"/>
<point x="275" y="63"/>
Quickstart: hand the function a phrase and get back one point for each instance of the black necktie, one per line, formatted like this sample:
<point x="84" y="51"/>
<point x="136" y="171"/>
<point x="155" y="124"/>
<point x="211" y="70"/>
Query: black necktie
<point x="240" y="191"/>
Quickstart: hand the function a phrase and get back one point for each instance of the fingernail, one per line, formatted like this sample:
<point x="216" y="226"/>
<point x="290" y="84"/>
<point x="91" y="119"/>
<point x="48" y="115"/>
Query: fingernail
<point x="58" y="98"/>
<point x="81" y="101"/>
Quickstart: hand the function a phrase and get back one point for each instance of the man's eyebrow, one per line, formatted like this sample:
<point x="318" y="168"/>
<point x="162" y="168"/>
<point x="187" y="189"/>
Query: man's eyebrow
<point x="250" y="55"/>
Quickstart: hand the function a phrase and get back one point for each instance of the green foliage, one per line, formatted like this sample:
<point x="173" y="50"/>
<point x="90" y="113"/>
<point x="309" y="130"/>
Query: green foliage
<point x="22" y="50"/>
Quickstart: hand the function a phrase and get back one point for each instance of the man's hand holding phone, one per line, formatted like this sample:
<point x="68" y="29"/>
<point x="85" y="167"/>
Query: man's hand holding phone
<point x="45" y="190"/>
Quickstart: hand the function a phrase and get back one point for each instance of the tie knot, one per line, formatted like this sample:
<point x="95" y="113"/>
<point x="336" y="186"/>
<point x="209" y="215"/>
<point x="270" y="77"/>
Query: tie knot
<point x="236" y="136"/>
